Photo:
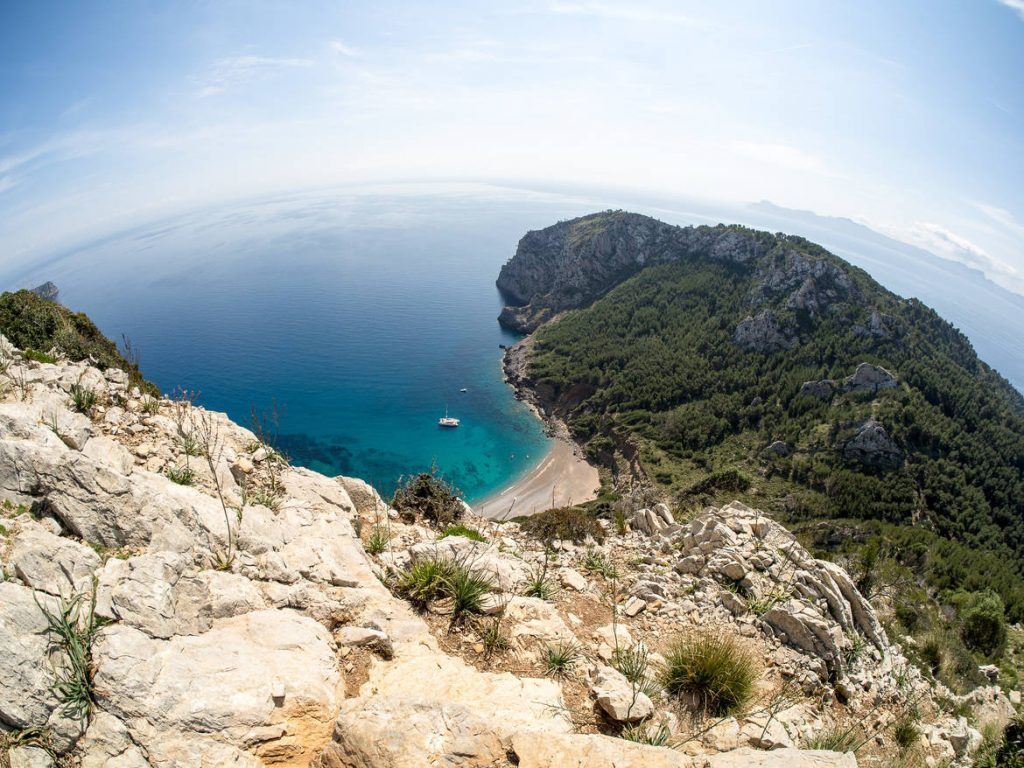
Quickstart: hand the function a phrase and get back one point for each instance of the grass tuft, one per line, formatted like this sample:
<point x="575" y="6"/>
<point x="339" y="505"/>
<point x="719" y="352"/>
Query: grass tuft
<point x="905" y="733"/>
<point x="181" y="475"/>
<point x="642" y="733"/>
<point x="562" y="657"/>
<point x="378" y="541"/>
<point x="834" y="739"/>
<point x="715" y="670"/>
<point x="83" y="399"/>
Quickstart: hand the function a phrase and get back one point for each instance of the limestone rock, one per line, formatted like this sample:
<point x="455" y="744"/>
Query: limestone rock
<point x="869" y="378"/>
<point x="619" y="699"/>
<point x="762" y="333"/>
<point x="49" y="563"/>
<point x="223" y="681"/>
<point x="872" y="445"/>
<point x="542" y="750"/>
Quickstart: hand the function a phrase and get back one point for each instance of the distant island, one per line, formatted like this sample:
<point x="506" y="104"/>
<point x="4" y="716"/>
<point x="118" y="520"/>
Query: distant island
<point x="47" y="290"/>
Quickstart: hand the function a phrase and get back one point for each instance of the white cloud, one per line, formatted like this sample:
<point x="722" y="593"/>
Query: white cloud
<point x="782" y="155"/>
<point x="1016" y="5"/>
<point x="235" y="70"/>
<point x="345" y="50"/>
<point x="621" y="12"/>
<point x="948" y="244"/>
<point x="1000" y="216"/>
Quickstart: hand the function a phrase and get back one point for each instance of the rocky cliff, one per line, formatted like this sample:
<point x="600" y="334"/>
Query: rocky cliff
<point x="173" y="593"/>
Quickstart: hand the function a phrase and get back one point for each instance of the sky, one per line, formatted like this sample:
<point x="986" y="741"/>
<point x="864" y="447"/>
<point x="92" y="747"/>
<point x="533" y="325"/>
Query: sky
<point x="906" y="115"/>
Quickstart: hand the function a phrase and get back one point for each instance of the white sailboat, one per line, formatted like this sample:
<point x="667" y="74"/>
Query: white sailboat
<point x="446" y="420"/>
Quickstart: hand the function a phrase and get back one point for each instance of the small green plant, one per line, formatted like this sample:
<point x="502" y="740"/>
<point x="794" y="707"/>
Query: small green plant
<point x="151" y="406"/>
<point x="642" y="733"/>
<point x="73" y="626"/>
<point x="856" y="649"/>
<point x="905" y="733"/>
<point x="561" y="657"/>
<point x="83" y="398"/>
<point x="462" y="530"/>
<point x="378" y="541"/>
<point x="39" y="357"/>
<point x="760" y="604"/>
<point x="714" y="670"/>
<point x="493" y="637"/>
<point x="834" y="739"/>
<point x="596" y="562"/>
<point x="539" y="583"/>
<point x="181" y="475"/>
<point x="635" y="665"/>
<point x="621" y="526"/>
<point x="264" y="497"/>
<point x="189" y="445"/>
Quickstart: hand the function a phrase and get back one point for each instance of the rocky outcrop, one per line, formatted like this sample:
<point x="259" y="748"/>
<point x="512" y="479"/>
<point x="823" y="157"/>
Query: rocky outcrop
<point x="763" y="333"/>
<point x="873" y="446"/>
<point x="867" y="378"/>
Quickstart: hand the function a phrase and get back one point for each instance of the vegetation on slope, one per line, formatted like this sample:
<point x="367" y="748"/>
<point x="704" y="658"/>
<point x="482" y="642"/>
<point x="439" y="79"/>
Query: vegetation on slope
<point x="39" y="326"/>
<point x="650" y="377"/>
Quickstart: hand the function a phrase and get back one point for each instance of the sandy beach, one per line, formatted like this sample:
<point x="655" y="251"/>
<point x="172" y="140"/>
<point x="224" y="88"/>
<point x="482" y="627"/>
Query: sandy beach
<point x="570" y="478"/>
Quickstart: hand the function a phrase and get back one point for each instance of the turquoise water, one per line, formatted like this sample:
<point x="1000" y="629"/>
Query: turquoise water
<point x="361" y="315"/>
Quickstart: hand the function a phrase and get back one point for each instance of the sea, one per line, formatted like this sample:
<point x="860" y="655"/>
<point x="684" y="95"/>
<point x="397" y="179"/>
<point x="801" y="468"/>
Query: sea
<point x="347" y="321"/>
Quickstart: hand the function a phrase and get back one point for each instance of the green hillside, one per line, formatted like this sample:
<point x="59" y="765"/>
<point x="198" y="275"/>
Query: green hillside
<point x="704" y="376"/>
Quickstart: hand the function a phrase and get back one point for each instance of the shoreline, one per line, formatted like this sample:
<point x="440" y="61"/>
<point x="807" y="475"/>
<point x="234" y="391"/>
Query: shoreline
<point x="560" y="478"/>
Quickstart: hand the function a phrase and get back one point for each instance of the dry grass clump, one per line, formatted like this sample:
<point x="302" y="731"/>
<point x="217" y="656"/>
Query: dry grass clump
<point x="714" y="670"/>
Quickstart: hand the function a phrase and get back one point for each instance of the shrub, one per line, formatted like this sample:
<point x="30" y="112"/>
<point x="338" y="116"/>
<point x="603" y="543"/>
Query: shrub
<point x="181" y="475"/>
<point x="429" y="496"/>
<point x="714" y="670"/>
<point x="83" y="398"/>
<point x="1009" y="750"/>
<point x="982" y="622"/>
<point x="561" y="657"/>
<point x="31" y="323"/>
<point x="462" y="530"/>
<point x="564" y="524"/>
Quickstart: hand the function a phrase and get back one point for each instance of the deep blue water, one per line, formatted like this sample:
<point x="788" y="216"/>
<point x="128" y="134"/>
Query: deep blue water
<point x="362" y="313"/>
